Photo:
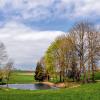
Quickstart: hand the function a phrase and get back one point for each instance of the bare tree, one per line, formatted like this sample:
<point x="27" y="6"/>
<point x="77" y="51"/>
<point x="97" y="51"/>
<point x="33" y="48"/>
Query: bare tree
<point x="6" y="65"/>
<point x="7" y="71"/>
<point x="93" y="50"/>
<point x="3" y="60"/>
<point x="79" y="34"/>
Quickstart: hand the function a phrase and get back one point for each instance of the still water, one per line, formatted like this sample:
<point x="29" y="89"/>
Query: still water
<point x="37" y="86"/>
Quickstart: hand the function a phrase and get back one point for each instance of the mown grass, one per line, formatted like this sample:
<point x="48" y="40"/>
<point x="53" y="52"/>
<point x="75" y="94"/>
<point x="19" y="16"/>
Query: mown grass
<point x="20" y="77"/>
<point x="84" y="92"/>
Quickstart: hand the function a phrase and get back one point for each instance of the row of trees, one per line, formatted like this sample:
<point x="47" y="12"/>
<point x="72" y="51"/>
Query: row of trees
<point x="75" y="54"/>
<point x="6" y="65"/>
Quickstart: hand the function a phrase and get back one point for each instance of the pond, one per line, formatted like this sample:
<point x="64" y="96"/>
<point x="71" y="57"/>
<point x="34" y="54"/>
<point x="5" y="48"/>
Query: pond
<point x="37" y="86"/>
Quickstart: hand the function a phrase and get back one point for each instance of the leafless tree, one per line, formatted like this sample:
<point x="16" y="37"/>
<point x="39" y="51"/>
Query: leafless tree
<point x="93" y="50"/>
<point x="7" y="71"/>
<point x="6" y="65"/>
<point x="3" y="59"/>
<point x="79" y="34"/>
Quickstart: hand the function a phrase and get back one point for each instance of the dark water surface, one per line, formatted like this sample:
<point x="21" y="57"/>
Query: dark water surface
<point x="37" y="86"/>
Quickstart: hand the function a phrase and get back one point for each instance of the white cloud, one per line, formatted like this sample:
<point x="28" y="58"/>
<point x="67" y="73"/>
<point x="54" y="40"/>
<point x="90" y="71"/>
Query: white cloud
<point x="26" y="9"/>
<point x="38" y="35"/>
<point x="41" y="9"/>
<point x="30" y="3"/>
<point x="2" y="3"/>
<point x="18" y="31"/>
<point x="24" y="44"/>
<point x="81" y="8"/>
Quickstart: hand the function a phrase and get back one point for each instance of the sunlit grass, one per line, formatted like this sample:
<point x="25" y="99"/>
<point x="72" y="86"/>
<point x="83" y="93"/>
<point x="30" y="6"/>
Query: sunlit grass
<point x="21" y="78"/>
<point x="84" y="92"/>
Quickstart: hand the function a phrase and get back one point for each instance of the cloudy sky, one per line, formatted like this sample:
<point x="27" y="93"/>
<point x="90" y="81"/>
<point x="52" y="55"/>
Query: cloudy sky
<point x="27" y="27"/>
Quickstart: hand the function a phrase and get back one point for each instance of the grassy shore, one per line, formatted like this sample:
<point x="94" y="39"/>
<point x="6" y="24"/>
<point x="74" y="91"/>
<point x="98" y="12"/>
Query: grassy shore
<point x="84" y="92"/>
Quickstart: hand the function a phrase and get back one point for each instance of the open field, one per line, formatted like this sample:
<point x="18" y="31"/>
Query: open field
<point x="21" y="77"/>
<point x="84" y="92"/>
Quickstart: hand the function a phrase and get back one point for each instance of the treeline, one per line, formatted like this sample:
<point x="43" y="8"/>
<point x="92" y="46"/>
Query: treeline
<point x="75" y="54"/>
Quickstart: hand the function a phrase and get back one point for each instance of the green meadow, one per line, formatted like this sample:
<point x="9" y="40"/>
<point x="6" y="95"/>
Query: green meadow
<point x="89" y="91"/>
<point x="21" y="77"/>
<point x="83" y="92"/>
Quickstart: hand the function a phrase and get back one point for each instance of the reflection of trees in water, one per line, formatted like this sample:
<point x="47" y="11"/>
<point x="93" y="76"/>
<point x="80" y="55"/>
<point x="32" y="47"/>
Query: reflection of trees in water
<point x="28" y="86"/>
<point x="42" y="86"/>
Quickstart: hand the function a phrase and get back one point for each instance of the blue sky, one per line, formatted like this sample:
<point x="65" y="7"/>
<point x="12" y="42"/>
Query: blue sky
<point x="27" y="27"/>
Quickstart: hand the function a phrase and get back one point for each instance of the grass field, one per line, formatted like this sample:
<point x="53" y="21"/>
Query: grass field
<point x="84" y="92"/>
<point x="21" y="77"/>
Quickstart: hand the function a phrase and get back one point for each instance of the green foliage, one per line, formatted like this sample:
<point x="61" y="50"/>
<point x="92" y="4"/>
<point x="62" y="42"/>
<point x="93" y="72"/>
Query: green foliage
<point x="49" y="60"/>
<point x="59" y="56"/>
<point x="39" y="72"/>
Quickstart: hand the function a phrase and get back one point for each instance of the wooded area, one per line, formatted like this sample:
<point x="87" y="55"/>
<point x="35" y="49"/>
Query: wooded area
<point x="75" y="54"/>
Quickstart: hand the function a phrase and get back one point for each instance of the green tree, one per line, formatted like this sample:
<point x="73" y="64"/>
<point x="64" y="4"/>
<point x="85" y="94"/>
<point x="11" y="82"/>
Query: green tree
<point x="39" y="72"/>
<point x="50" y="61"/>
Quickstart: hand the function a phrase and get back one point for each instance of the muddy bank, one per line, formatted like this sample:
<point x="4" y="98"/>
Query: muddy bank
<point x="61" y="85"/>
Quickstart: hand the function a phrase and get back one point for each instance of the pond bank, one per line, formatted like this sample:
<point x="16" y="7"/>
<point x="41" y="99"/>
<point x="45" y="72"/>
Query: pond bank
<point x="61" y="85"/>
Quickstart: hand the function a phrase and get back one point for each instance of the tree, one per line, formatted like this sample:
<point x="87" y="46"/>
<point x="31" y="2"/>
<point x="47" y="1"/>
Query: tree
<point x="78" y="32"/>
<point x="6" y="65"/>
<point x="93" y="41"/>
<point x="59" y="56"/>
<point x="3" y="60"/>
<point x="51" y="60"/>
<point x="39" y="72"/>
<point x="1" y="76"/>
<point x="7" y="71"/>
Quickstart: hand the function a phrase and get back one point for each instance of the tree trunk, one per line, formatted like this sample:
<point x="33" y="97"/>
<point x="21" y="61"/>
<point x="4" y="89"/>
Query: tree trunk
<point x="84" y="76"/>
<point x="60" y="77"/>
<point x="93" y="79"/>
<point x="89" y="72"/>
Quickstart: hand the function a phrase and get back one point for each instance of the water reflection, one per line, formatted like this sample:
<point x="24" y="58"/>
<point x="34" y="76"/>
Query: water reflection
<point x="29" y="86"/>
